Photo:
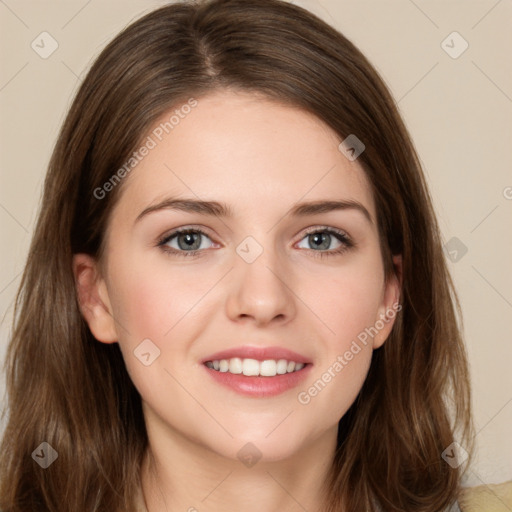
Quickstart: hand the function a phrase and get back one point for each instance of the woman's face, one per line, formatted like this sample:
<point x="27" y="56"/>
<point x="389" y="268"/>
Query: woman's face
<point x="280" y="263"/>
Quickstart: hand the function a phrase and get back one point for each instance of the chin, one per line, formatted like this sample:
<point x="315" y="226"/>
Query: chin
<point x="251" y="449"/>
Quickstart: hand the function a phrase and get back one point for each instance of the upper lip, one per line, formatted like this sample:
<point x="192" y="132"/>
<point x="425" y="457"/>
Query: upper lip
<point x="259" y="353"/>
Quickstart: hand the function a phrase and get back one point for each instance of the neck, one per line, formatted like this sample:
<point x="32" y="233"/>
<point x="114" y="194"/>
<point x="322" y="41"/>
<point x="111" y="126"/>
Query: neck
<point x="180" y="475"/>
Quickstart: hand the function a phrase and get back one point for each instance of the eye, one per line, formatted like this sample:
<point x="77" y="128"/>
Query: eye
<point x="192" y="241"/>
<point x="326" y="242"/>
<point x="185" y="242"/>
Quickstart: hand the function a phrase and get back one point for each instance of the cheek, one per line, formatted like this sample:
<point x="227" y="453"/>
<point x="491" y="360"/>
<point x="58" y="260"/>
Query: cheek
<point x="348" y="302"/>
<point x="335" y="386"/>
<point x="164" y="304"/>
<point x="152" y="302"/>
<point x="149" y="300"/>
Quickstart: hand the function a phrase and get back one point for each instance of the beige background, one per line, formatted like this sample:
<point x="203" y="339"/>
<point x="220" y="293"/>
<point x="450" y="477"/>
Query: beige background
<point x="459" y="112"/>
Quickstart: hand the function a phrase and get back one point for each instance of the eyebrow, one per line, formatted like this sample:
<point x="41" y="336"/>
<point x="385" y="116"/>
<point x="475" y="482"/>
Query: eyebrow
<point x="214" y="208"/>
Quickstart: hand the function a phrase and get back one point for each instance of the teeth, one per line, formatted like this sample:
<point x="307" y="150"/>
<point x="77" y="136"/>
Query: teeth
<point x="250" y="367"/>
<point x="235" y="365"/>
<point x="281" y="366"/>
<point x="267" y="368"/>
<point x="253" y="367"/>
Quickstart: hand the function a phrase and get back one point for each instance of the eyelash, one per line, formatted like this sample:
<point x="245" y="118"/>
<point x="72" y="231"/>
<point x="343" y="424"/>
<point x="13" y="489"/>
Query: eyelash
<point x="347" y="242"/>
<point x="170" y="251"/>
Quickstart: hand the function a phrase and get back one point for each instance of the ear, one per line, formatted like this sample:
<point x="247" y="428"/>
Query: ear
<point x="93" y="298"/>
<point x="390" y="307"/>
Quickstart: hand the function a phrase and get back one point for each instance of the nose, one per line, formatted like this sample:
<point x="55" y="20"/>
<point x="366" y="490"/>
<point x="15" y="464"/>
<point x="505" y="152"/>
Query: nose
<point x="261" y="292"/>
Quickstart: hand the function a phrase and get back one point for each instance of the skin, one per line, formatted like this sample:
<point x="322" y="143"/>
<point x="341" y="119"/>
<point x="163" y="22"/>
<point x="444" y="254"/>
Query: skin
<point x="260" y="158"/>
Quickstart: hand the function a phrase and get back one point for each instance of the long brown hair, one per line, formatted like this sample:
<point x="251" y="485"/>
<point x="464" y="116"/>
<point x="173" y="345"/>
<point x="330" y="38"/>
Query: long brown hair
<point x="69" y="390"/>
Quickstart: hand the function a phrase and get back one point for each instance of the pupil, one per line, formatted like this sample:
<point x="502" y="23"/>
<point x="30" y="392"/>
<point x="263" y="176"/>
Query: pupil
<point x="321" y="240"/>
<point x="190" y="240"/>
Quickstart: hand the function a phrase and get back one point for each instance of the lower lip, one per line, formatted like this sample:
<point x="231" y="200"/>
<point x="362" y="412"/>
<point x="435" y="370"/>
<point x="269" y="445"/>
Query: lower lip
<point x="260" y="387"/>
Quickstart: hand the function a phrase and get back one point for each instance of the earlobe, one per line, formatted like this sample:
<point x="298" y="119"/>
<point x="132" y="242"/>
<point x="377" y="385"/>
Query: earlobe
<point x="93" y="298"/>
<point x="391" y="306"/>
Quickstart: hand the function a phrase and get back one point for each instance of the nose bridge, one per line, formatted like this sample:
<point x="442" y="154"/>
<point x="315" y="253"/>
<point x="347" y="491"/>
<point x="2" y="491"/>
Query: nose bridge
<point x="259" y="283"/>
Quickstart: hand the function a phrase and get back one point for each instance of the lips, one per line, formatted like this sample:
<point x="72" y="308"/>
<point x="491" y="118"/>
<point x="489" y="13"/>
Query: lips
<point x="253" y="385"/>
<point x="258" y="353"/>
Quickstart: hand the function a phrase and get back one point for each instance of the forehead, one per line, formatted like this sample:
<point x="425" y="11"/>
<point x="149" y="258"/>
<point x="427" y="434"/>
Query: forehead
<point x="244" y="150"/>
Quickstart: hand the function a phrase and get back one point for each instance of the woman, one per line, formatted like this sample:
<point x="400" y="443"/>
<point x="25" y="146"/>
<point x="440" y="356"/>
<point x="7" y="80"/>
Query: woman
<point x="236" y="296"/>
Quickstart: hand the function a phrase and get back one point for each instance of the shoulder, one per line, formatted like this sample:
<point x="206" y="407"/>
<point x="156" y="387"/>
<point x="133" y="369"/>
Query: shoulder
<point x="486" y="498"/>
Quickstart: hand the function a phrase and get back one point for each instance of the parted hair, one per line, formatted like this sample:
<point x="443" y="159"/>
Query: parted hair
<point x="66" y="388"/>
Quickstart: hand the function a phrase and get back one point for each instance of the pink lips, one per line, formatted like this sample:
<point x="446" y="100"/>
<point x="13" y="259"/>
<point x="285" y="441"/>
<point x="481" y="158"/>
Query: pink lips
<point x="259" y="387"/>
<point x="258" y="353"/>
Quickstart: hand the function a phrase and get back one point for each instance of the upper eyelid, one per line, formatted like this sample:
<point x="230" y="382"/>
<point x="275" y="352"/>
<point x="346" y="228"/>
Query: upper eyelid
<point x="320" y="228"/>
<point x="323" y="228"/>
<point x="308" y="231"/>
<point x="174" y="232"/>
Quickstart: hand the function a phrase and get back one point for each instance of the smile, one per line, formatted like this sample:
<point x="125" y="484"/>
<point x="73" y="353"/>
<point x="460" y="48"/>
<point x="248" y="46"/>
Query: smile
<point x="255" y="368"/>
